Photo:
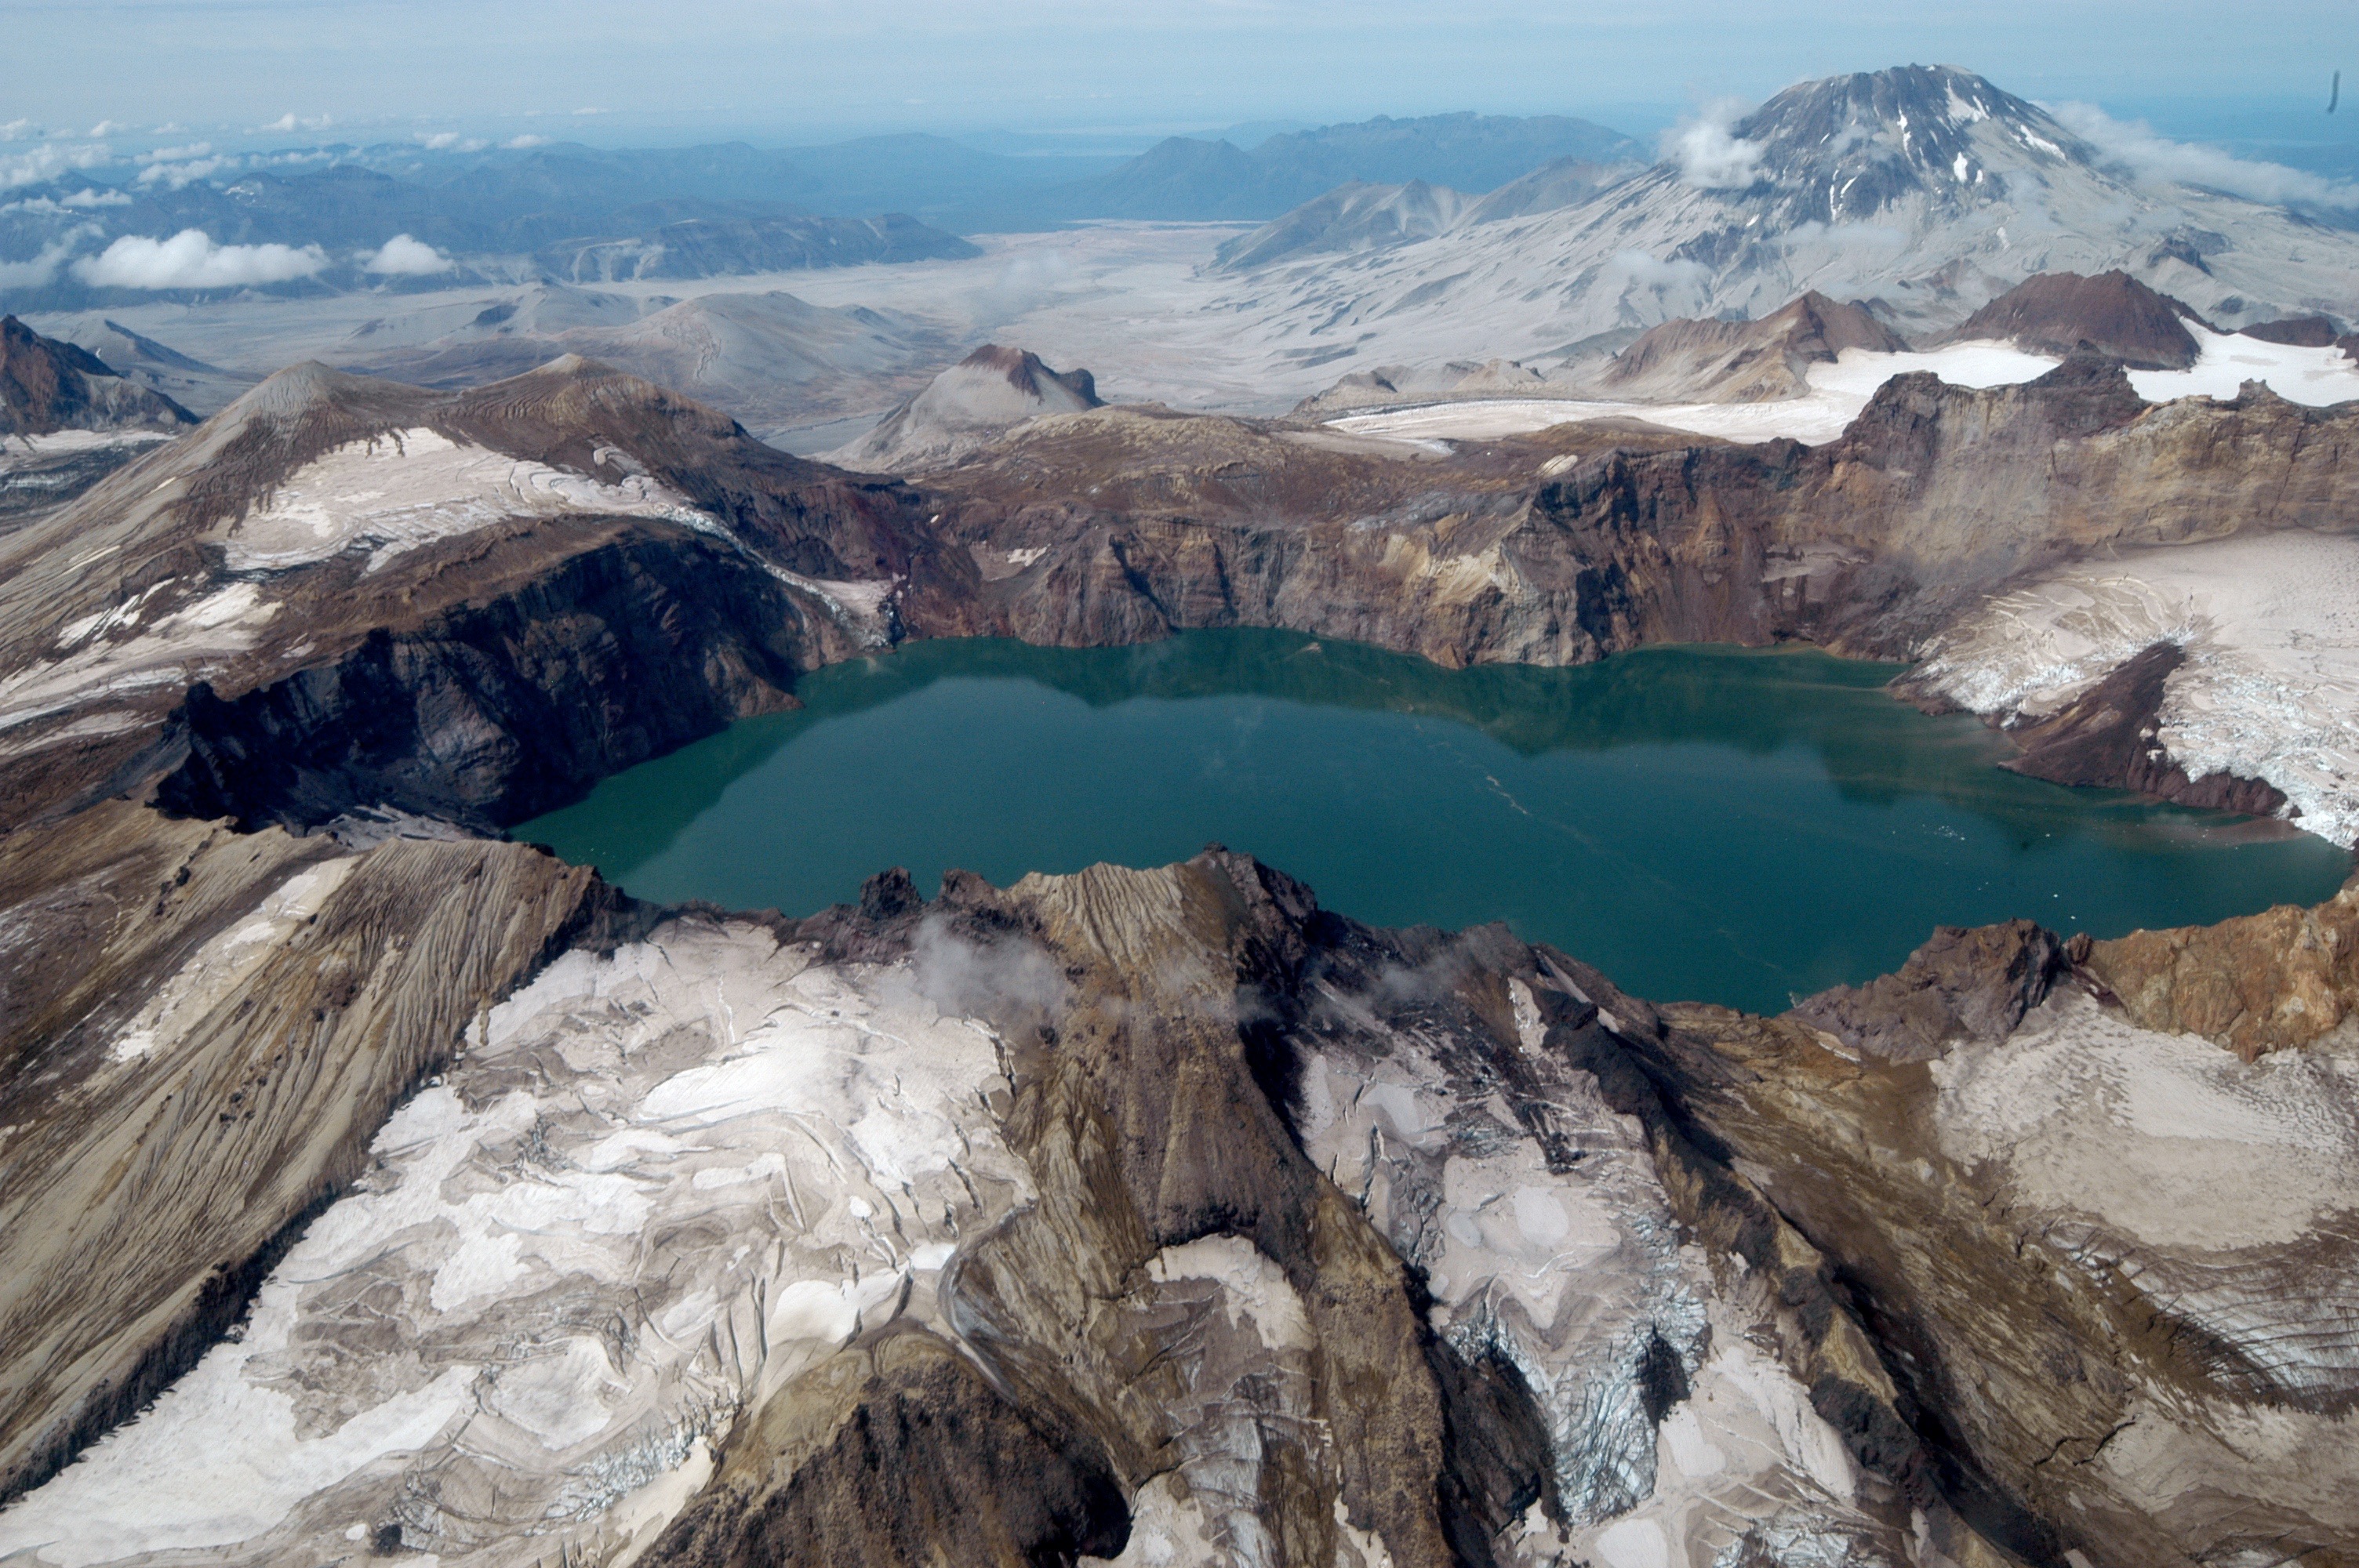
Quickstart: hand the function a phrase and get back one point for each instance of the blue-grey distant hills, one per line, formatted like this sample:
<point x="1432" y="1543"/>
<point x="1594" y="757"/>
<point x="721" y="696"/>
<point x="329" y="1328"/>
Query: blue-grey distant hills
<point x="579" y="214"/>
<point x="1181" y="178"/>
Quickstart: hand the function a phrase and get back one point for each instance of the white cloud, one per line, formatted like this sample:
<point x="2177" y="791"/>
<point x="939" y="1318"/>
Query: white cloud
<point x="79" y="200"/>
<point x="1711" y="156"/>
<point x="177" y="166"/>
<point x="402" y="256"/>
<point x="189" y="259"/>
<point x="1652" y="271"/>
<point x="2132" y="145"/>
<point x="108" y="128"/>
<point x="177" y="175"/>
<point x="39" y="272"/>
<point x="289" y="122"/>
<point x="517" y="143"/>
<point x="16" y="130"/>
<point x="46" y="162"/>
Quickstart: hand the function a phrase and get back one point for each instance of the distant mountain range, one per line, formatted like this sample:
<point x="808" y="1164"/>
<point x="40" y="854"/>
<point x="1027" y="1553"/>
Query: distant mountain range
<point x="1181" y="178"/>
<point x="1924" y="191"/>
<point x="581" y="214"/>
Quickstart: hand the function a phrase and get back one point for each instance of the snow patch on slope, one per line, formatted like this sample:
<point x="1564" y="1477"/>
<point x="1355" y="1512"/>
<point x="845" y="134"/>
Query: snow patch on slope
<point x="1837" y="393"/>
<point x="187" y="645"/>
<point x="2270" y="688"/>
<point x="2318" y="377"/>
<point x="392" y="494"/>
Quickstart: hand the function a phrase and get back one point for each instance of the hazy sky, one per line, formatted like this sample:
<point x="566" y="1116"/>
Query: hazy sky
<point x="676" y="69"/>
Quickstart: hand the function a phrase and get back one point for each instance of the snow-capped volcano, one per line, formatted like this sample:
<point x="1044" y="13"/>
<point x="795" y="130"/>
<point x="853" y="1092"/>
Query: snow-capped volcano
<point x="1925" y="188"/>
<point x="1848" y="148"/>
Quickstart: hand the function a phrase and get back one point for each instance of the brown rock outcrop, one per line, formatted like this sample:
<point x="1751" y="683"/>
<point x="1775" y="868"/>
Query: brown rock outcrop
<point x="2066" y="1336"/>
<point x="2113" y="313"/>
<point x="2258" y="983"/>
<point x="46" y="385"/>
<point x="2106" y="737"/>
<point x="1745" y="362"/>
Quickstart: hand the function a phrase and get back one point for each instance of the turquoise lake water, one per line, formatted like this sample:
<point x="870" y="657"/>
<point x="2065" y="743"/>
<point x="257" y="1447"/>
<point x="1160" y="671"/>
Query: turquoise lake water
<point x="1712" y="824"/>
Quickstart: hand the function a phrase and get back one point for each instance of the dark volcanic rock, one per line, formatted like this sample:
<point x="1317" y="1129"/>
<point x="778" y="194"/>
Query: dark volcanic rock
<point x="491" y="713"/>
<point x="2113" y="313"/>
<point x="923" y="1462"/>
<point x="2301" y="331"/>
<point x="2108" y="737"/>
<point x="1963" y="984"/>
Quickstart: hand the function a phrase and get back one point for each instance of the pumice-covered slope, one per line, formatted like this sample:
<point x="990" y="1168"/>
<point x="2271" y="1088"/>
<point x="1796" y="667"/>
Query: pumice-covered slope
<point x="1745" y="362"/>
<point x="969" y="406"/>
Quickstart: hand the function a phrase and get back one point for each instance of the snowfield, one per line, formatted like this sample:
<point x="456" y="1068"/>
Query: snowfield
<point x="660" y="1185"/>
<point x="2318" y="377"/>
<point x="396" y="493"/>
<point x="2270" y="688"/>
<point x="1838" y="391"/>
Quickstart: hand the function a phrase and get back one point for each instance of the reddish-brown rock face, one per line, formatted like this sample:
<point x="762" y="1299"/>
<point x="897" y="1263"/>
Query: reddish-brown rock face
<point x="46" y="385"/>
<point x="2113" y="313"/>
<point x="2262" y="983"/>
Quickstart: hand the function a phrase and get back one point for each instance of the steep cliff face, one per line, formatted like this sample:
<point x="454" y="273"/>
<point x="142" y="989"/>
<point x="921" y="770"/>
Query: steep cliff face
<point x="467" y="603"/>
<point x="1936" y="495"/>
